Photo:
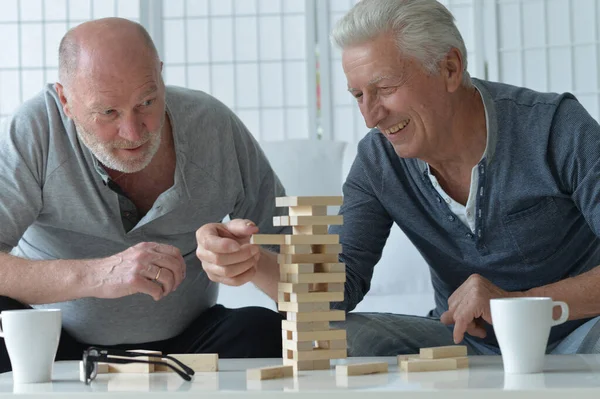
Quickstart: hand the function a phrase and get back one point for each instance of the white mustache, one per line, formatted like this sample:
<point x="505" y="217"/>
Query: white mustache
<point x="128" y="145"/>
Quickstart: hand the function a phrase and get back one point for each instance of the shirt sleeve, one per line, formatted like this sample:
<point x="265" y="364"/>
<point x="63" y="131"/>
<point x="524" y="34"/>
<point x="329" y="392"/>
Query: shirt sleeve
<point x="364" y="232"/>
<point x="22" y="163"/>
<point x="575" y="150"/>
<point x="260" y="184"/>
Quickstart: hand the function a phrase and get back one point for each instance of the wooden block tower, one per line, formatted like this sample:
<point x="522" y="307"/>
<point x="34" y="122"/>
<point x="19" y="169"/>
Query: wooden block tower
<point x="310" y="278"/>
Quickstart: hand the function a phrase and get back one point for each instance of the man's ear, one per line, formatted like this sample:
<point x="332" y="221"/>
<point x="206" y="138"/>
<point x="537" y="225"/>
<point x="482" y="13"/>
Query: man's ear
<point x="63" y="99"/>
<point x="452" y="69"/>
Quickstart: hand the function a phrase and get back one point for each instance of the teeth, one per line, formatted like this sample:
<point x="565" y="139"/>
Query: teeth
<point x="397" y="127"/>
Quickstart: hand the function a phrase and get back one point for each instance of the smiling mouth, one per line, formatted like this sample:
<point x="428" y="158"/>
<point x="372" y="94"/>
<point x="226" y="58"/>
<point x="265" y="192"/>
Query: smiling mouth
<point x="396" y="128"/>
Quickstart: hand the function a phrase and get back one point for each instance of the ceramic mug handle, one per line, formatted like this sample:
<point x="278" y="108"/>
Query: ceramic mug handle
<point x="564" y="315"/>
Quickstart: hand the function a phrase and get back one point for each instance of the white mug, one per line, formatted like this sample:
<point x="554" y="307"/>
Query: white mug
<point x="31" y="337"/>
<point x="522" y="327"/>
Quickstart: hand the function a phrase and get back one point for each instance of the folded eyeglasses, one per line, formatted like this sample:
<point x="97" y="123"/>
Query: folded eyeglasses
<point x="93" y="355"/>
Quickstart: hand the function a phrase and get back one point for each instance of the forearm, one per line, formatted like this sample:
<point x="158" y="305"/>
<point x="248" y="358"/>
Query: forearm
<point x="267" y="273"/>
<point x="43" y="281"/>
<point x="580" y="293"/>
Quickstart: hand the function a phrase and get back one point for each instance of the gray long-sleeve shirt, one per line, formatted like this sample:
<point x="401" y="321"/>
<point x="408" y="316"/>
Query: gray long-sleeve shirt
<point x="56" y="203"/>
<point x="537" y="209"/>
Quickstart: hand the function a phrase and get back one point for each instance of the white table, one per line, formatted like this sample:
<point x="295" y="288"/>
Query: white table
<point x="565" y="377"/>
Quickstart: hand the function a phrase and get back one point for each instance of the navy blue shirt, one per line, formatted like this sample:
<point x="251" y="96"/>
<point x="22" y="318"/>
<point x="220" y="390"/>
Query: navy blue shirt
<point x="537" y="207"/>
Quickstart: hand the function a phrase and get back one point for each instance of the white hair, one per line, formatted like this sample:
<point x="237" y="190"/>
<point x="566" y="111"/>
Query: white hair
<point x="424" y="30"/>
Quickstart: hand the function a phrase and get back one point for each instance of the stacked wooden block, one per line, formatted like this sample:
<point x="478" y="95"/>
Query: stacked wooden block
<point x="438" y="358"/>
<point x="310" y="279"/>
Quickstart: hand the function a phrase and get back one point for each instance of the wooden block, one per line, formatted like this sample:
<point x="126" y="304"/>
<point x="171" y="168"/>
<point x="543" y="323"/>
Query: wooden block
<point x="316" y="278"/>
<point x="296" y="249"/>
<point x="303" y="307"/>
<point x="332" y="315"/>
<point x="309" y="230"/>
<point x="308" y="210"/>
<point x="415" y="365"/>
<point x="361" y="368"/>
<point x="320" y="354"/>
<point x="329" y="268"/>
<point x="196" y="361"/>
<point x="295" y="345"/>
<point x="281" y="221"/>
<point x="267" y="239"/>
<point x="311" y="297"/>
<point x="312" y="201"/>
<point x="401" y="358"/>
<point x="269" y="373"/>
<point x="293" y="288"/>
<point x="290" y="239"/>
<point x="326" y="287"/>
<point x="321" y="364"/>
<point x="312" y="220"/>
<point x="307" y="258"/>
<point x="132" y="367"/>
<point x="297" y="268"/>
<point x="442" y="352"/>
<point x="304" y="326"/>
<point x="297" y="366"/>
<point x="331" y="344"/>
<point x="318" y="335"/>
<point x="322" y="239"/>
<point x="326" y="249"/>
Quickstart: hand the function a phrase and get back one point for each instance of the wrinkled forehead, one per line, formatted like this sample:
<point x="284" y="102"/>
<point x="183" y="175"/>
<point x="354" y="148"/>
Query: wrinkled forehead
<point x="110" y="88"/>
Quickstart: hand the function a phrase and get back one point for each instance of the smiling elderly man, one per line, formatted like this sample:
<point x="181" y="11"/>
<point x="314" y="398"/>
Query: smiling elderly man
<point x="497" y="186"/>
<point x="105" y="178"/>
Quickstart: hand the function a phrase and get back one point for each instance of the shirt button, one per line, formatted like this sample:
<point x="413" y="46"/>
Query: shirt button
<point x="448" y="200"/>
<point x="469" y="214"/>
<point x="451" y="218"/>
<point x="435" y="184"/>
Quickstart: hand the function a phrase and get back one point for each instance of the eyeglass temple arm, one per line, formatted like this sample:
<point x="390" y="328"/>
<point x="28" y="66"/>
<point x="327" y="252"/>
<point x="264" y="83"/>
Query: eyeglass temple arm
<point x="119" y="352"/>
<point x="109" y="359"/>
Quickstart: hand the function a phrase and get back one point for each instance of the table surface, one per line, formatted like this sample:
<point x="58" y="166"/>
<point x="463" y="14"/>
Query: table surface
<point x="574" y="375"/>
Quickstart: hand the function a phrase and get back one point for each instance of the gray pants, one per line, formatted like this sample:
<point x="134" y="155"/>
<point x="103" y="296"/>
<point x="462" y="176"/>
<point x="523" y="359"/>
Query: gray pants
<point x="387" y="334"/>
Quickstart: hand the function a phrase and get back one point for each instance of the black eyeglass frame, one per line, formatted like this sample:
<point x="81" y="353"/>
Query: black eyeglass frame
<point x="90" y="361"/>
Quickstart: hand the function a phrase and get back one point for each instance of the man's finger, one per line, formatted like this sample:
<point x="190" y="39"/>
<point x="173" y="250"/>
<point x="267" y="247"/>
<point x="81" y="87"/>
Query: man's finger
<point x="447" y="318"/>
<point x="242" y="228"/>
<point x="245" y="253"/>
<point x="243" y="278"/>
<point x="460" y="327"/>
<point x="476" y="330"/>
<point x="219" y="245"/>
<point x="230" y="271"/>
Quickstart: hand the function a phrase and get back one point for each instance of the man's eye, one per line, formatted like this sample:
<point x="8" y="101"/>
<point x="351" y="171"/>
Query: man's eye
<point x="358" y="95"/>
<point x="148" y="102"/>
<point x="108" y="112"/>
<point x="387" y="90"/>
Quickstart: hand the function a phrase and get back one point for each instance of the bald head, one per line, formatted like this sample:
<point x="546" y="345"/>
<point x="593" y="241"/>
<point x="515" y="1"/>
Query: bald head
<point x="108" y="43"/>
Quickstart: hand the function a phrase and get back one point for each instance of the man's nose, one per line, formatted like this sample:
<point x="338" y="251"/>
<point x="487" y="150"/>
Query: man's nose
<point x="131" y="127"/>
<point x="373" y="112"/>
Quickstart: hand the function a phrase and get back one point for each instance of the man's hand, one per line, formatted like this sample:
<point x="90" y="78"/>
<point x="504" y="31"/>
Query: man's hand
<point x="226" y="253"/>
<point x="470" y="304"/>
<point x="147" y="268"/>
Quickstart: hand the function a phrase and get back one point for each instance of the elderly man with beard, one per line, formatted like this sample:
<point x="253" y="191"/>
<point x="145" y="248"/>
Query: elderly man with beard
<point x="105" y="179"/>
